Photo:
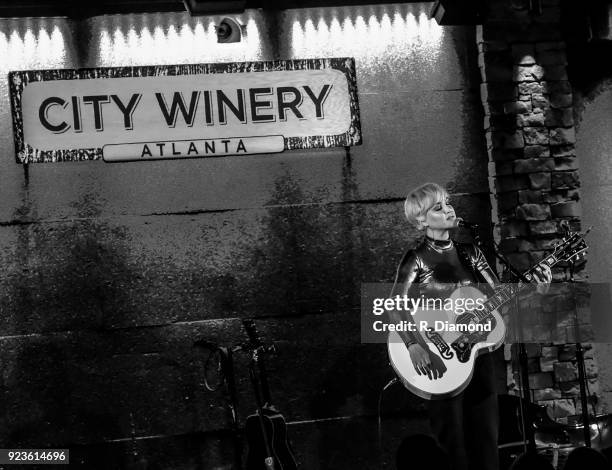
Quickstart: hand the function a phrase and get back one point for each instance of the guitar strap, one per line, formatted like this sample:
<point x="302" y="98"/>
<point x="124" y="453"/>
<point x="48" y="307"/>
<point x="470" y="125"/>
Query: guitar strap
<point x="466" y="260"/>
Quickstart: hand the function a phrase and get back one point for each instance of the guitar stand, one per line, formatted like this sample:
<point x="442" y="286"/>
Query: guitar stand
<point x="225" y="367"/>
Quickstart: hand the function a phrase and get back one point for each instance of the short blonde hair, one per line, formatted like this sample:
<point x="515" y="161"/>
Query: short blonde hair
<point x="420" y="200"/>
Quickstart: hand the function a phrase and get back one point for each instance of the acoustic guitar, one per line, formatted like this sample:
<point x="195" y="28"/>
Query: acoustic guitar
<point x="266" y="429"/>
<point x="454" y="341"/>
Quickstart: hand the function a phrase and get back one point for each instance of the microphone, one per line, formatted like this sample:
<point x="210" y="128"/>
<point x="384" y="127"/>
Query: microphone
<point x="459" y="222"/>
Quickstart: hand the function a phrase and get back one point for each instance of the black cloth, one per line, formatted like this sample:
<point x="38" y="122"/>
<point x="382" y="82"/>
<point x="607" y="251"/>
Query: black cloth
<point x="466" y="425"/>
<point x="439" y="266"/>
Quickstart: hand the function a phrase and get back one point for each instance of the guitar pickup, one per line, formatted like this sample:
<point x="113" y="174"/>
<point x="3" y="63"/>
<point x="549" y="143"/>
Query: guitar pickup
<point x="463" y="348"/>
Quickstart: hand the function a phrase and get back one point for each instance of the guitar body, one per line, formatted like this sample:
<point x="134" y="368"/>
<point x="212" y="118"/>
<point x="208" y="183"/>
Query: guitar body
<point x="276" y="431"/>
<point x="457" y="350"/>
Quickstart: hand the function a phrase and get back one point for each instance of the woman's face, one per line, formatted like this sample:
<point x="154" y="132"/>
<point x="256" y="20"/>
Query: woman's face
<point x="441" y="216"/>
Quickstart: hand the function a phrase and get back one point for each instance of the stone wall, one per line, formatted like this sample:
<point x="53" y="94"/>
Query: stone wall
<point x="533" y="175"/>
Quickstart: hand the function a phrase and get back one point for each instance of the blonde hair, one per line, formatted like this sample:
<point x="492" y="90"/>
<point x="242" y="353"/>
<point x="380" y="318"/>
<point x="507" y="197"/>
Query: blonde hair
<point x="420" y="200"/>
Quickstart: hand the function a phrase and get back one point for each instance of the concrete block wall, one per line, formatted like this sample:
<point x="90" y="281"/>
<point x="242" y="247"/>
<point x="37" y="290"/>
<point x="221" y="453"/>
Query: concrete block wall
<point x="111" y="272"/>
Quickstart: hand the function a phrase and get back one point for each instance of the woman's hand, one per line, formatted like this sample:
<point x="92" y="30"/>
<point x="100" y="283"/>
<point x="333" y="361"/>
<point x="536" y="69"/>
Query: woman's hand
<point x="542" y="276"/>
<point x="426" y="363"/>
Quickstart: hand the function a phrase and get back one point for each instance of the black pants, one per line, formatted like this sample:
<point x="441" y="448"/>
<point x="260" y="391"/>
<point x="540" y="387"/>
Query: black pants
<point x="466" y="426"/>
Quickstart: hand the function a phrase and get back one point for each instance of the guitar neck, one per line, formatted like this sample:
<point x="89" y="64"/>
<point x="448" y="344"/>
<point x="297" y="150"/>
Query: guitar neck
<point x="506" y="292"/>
<point x="249" y="326"/>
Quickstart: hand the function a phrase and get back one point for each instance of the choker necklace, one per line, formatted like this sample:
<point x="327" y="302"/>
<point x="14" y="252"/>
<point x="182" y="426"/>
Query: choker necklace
<point x="439" y="244"/>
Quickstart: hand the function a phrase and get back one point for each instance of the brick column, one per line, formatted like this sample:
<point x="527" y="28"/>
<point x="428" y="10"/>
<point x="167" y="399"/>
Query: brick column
<point x="533" y="174"/>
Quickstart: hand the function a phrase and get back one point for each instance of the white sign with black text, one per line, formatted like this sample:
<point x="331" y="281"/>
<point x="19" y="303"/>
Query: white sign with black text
<point x="166" y="112"/>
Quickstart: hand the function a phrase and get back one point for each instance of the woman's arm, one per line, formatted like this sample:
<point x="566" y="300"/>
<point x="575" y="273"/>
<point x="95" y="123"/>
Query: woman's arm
<point x="423" y="361"/>
<point x="407" y="273"/>
<point x="481" y="265"/>
<point x="542" y="274"/>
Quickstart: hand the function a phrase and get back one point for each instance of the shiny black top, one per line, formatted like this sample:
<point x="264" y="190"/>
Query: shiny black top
<point x="438" y="268"/>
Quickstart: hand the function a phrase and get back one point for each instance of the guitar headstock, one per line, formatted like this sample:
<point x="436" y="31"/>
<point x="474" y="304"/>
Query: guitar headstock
<point x="572" y="247"/>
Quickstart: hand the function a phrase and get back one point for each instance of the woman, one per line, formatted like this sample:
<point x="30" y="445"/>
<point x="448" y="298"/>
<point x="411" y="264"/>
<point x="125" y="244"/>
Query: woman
<point x="466" y="425"/>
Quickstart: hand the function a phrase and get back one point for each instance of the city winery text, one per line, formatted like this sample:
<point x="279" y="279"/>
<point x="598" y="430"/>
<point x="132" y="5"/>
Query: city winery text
<point x="60" y="114"/>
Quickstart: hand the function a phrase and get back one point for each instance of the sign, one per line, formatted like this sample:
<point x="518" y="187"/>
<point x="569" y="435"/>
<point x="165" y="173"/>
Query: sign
<point x="184" y="111"/>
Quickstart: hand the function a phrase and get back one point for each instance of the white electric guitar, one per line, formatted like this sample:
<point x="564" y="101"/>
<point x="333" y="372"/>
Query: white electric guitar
<point x="456" y="340"/>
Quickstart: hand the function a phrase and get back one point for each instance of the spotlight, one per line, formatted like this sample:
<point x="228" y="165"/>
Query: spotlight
<point x="229" y="30"/>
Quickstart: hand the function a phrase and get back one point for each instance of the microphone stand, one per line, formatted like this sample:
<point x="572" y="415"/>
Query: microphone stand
<point x="526" y="402"/>
<point x="582" y="377"/>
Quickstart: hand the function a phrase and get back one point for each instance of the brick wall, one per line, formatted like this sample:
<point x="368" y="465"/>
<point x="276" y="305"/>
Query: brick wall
<point x="533" y="175"/>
